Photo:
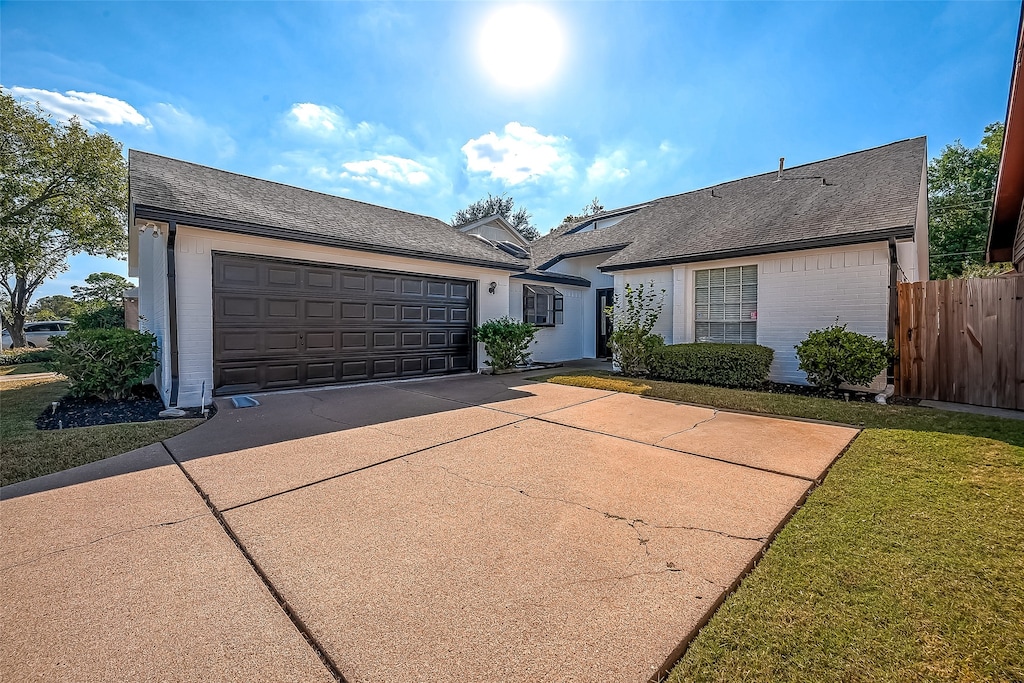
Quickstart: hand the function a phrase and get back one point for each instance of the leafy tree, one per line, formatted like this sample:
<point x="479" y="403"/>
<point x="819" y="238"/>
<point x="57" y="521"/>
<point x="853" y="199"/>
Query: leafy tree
<point x="961" y="185"/>
<point x="501" y="205"/>
<point x="56" y="307"/>
<point x="105" y="287"/>
<point x="592" y="209"/>
<point x="62" y="191"/>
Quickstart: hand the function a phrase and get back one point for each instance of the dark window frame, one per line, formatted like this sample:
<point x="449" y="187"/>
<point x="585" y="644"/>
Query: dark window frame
<point x="548" y="300"/>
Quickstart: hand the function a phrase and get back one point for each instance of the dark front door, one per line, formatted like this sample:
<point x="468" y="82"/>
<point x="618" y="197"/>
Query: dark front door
<point x="284" y="324"/>
<point x="605" y="298"/>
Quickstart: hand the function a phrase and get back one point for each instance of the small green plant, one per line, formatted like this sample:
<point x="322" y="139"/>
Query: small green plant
<point x="634" y="316"/>
<point x="506" y="341"/>
<point x="835" y="356"/>
<point x="104" y="363"/>
<point x="721" y="365"/>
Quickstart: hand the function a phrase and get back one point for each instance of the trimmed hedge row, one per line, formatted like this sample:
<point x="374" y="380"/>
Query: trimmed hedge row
<point x="25" y="355"/>
<point x="722" y="365"/>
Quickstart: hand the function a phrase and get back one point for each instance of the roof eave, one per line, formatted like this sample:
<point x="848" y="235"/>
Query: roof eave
<point x="573" y="281"/>
<point x="585" y="252"/>
<point x="902" y="232"/>
<point x="224" y="225"/>
<point x="1009" y="194"/>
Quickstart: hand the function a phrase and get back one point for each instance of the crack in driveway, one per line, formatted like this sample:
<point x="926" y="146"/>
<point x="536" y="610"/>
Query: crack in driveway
<point x="123" y="532"/>
<point x="631" y="522"/>
<point x="688" y="429"/>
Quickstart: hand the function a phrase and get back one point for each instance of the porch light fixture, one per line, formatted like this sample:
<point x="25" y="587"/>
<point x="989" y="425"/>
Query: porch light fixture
<point x="493" y="286"/>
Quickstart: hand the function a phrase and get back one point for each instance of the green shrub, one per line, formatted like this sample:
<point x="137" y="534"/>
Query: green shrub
<point x="25" y="355"/>
<point x="722" y="365"/>
<point x="632" y="340"/>
<point x="102" y="317"/>
<point x="506" y="341"/>
<point x="104" y="363"/>
<point x="835" y="356"/>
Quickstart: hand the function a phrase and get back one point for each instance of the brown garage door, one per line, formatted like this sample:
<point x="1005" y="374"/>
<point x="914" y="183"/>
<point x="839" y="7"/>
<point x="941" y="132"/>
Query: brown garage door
<point x="284" y="324"/>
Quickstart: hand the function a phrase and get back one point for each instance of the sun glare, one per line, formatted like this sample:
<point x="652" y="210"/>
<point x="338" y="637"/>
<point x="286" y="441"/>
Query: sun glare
<point x="521" y="46"/>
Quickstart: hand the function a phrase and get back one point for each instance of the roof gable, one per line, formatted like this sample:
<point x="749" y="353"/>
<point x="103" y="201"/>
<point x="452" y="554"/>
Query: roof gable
<point x="212" y="198"/>
<point x="847" y="199"/>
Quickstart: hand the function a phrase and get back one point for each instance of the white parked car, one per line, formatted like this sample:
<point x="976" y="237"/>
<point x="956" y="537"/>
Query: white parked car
<point x="37" y="335"/>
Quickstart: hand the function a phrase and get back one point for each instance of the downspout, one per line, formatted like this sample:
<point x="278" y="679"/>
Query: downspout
<point x="894" y="312"/>
<point x="172" y="304"/>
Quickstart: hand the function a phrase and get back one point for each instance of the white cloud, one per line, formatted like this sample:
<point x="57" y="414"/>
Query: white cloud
<point x="519" y="154"/>
<point x="189" y="132"/>
<point x="87" y="106"/>
<point x="390" y="169"/>
<point x="316" y="117"/>
<point x="609" y="168"/>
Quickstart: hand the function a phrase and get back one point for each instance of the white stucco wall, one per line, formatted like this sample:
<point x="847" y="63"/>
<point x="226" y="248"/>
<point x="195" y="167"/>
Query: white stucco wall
<point x="561" y="342"/>
<point x="194" y="261"/>
<point x="586" y="266"/>
<point x="797" y="292"/>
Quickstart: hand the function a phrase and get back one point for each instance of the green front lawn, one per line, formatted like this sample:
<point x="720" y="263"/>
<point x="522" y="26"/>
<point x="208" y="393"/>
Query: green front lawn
<point x="26" y="452"/>
<point x="906" y="564"/>
<point x="23" y="369"/>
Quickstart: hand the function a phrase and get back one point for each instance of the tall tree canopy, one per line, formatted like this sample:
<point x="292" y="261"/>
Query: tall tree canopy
<point x="961" y="185"/>
<point x="592" y="209"/>
<point x="56" y="307"/>
<point x="107" y="288"/>
<point x="501" y="205"/>
<point x="63" y="190"/>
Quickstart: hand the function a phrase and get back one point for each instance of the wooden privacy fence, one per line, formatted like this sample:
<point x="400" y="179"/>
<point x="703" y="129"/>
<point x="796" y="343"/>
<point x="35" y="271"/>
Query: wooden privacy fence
<point x="962" y="341"/>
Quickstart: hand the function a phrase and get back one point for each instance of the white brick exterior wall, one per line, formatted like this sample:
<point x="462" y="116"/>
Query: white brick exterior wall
<point x="797" y="292"/>
<point x="153" y="313"/>
<point x="194" y="263"/>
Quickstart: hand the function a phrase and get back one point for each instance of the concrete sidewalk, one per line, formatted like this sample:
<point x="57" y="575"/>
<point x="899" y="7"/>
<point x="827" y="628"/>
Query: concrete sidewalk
<point x="467" y="528"/>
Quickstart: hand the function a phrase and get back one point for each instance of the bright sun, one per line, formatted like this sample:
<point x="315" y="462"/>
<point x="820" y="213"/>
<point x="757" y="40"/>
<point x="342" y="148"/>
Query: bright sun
<point x="521" y="46"/>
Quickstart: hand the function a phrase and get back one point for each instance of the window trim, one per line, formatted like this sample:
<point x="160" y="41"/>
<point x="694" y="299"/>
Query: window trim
<point x="741" y="302"/>
<point x="554" y="305"/>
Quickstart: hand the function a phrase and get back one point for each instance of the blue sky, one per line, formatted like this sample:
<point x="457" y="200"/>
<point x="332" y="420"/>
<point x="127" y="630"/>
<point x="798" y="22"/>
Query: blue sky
<point x="393" y="103"/>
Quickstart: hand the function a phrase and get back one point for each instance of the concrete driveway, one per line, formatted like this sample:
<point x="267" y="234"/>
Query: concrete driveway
<point x="460" y="529"/>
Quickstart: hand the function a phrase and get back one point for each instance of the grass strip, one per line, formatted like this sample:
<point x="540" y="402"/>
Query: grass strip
<point x="26" y="452"/>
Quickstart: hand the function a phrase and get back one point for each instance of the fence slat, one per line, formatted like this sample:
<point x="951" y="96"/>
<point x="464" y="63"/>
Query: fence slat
<point x="962" y="341"/>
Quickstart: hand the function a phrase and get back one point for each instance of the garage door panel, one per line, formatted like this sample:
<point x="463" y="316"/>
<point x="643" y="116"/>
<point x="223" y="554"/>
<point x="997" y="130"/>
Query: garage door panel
<point x="284" y="277"/>
<point x="280" y="324"/>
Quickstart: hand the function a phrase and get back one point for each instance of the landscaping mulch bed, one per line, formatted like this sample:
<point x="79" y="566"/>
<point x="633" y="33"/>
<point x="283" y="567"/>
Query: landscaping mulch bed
<point x="838" y="395"/>
<point x="143" y="406"/>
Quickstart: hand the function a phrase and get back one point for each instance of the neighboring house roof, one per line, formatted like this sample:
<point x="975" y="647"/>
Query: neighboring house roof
<point x="1005" y="241"/>
<point x="500" y="221"/>
<point x="854" y="198"/>
<point x="162" y="188"/>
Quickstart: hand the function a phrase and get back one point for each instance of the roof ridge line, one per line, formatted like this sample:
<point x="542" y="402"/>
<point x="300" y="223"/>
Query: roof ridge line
<point x="277" y="182"/>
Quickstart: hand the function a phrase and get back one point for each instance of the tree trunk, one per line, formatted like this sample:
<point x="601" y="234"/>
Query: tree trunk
<point x="19" y="304"/>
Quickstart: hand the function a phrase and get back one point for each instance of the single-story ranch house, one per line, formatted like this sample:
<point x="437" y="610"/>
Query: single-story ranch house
<point x="251" y="285"/>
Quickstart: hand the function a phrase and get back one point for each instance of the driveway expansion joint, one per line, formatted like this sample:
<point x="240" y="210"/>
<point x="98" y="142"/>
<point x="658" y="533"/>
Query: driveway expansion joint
<point x="296" y="620"/>
<point x="673" y="450"/>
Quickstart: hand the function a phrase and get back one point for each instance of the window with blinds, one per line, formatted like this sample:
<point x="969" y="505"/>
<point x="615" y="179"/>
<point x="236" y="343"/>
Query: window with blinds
<point x="725" y="305"/>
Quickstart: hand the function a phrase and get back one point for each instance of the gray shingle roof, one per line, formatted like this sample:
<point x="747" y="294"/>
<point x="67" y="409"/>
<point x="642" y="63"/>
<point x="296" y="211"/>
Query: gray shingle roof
<point x="250" y="205"/>
<point x="849" y="198"/>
